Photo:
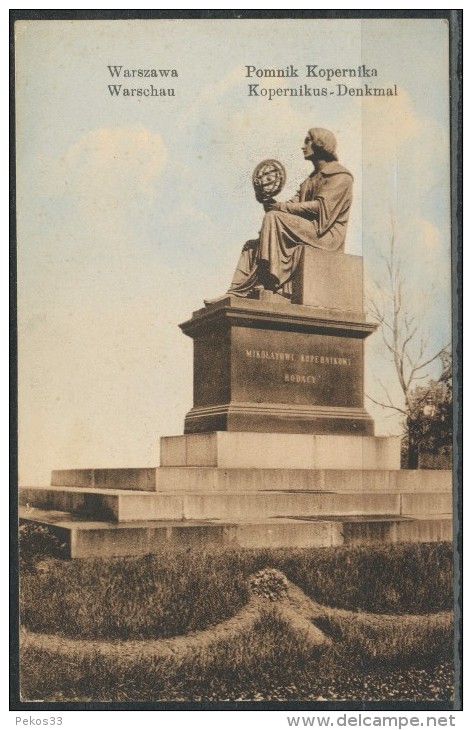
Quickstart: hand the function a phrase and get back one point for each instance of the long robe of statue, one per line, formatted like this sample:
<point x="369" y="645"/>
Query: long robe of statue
<point x="317" y="216"/>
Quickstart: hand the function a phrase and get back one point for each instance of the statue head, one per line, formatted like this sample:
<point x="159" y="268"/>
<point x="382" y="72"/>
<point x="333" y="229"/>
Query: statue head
<point x="323" y="143"/>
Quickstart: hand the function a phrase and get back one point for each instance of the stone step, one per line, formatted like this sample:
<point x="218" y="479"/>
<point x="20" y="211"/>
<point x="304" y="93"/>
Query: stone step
<point x="203" y="479"/>
<point x="122" y="506"/>
<point x="139" y="479"/>
<point x="232" y="449"/>
<point x="84" y="539"/>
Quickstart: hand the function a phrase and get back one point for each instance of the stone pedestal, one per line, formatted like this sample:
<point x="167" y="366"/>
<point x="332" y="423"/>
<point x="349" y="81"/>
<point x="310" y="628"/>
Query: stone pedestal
<point x="269" y="365"/>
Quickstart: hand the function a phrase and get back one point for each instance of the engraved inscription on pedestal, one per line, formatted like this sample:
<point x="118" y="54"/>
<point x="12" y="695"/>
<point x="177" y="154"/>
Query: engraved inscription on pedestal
<point x="297" y="367"/>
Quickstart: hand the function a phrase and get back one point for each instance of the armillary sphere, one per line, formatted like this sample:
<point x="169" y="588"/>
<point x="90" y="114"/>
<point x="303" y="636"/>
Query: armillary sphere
<point x="268" y="179"/>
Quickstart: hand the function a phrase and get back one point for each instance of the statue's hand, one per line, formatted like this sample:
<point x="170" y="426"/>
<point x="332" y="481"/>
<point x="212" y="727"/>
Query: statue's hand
<point x="270" y="204"/>
<point x="251" y="245"/>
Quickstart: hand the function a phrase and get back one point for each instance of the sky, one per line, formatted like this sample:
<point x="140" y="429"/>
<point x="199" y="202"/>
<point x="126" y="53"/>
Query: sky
<point x="131" y="211"/>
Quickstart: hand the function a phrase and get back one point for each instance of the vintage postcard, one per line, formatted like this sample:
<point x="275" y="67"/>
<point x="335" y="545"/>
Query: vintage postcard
<point x="235" y="249"/>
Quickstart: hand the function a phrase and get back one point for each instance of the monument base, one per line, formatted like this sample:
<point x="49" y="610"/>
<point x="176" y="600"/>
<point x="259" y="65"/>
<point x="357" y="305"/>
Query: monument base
<point x="279" y="418"/>
<point x="93" y="539"/>
<point x="258" y="490"/>
<point x="278" y="450"/>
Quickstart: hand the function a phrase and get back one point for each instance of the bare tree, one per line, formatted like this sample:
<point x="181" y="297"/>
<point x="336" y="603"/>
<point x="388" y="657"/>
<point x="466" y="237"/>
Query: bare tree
<point x="407" y="346"/>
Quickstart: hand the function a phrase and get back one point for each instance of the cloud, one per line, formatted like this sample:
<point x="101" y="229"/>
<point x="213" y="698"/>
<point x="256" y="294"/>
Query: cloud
<point x="110" y="160"/>
<point x="95" y="200"/>
<point x="388" y="123"/>
<point x="210" y="95"/>
<point x="405" y="179"/>
<point x="106" y="168"/>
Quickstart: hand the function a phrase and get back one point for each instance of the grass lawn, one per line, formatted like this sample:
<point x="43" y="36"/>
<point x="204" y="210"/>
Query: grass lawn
<point x="400" y="655"/>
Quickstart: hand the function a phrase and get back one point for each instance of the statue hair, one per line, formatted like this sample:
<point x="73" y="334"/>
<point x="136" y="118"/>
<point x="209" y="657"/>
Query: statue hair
<point x="324" y="142"/>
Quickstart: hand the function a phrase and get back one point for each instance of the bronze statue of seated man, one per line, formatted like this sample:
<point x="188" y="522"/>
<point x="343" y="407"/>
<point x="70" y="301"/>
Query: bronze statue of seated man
<point x="316" y="216"/>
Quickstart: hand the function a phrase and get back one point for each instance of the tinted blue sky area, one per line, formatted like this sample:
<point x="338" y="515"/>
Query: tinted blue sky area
<point x="132" y="210"/>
